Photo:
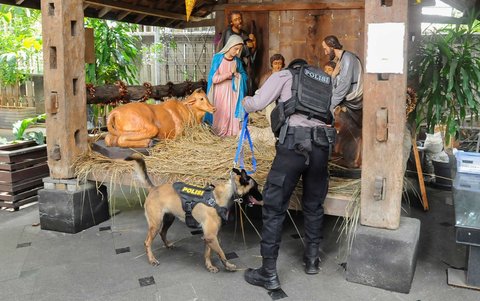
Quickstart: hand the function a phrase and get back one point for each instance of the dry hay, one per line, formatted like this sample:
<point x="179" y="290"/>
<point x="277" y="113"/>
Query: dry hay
<point x="198" y="157"/>
<point x="258" y="119"/>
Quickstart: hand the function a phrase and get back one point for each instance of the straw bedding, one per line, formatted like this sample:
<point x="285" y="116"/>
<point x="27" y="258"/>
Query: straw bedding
<point x="200" y="157"/>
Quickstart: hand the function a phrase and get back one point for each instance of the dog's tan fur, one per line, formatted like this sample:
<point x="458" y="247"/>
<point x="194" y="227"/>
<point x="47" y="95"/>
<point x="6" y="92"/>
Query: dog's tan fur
<point x="163" y="202"/>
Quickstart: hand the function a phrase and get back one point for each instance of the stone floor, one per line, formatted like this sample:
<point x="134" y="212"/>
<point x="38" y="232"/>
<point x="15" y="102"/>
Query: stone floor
<point x="107" y="261"/>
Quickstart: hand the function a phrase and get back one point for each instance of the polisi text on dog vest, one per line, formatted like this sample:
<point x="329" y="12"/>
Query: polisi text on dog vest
<point x="191" y="196"/>
<point x="193" y="191"/>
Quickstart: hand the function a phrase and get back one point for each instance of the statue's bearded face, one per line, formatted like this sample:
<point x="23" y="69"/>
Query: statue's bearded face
<point x="328" y="51"/>
<point x="236" y="21"/>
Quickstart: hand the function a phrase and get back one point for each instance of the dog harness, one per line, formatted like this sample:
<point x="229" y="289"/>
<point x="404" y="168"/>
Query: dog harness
<point x="193" y="195"/>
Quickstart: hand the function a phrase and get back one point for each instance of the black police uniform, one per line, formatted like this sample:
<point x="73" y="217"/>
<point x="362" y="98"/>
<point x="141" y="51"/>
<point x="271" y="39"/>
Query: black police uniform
<point x="297" y="156"/>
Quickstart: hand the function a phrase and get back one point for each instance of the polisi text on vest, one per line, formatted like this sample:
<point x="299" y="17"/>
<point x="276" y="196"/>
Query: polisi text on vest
<point x="316" y="76"/>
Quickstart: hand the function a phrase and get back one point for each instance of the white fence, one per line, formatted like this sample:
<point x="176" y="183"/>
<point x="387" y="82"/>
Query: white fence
<point x="176" y="55"/>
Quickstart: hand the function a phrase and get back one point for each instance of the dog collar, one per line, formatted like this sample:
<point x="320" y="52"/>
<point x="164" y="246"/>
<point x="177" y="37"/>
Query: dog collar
<point x="235" y="196"/>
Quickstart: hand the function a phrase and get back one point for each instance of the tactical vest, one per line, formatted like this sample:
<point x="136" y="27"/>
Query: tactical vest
<point x="311" y="96"/>
<point x="193" y="195"/>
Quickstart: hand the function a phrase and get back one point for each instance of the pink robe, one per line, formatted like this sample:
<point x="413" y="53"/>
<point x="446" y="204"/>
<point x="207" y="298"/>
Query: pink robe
<point x="225" y="100"/>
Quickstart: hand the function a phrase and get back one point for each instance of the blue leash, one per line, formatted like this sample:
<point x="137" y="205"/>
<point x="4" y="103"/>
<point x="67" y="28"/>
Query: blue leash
<point x="245" y="135"/>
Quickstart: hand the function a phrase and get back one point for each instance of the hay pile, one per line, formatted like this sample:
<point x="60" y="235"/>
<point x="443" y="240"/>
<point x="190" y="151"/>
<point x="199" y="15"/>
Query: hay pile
<point x="198" y="157"/>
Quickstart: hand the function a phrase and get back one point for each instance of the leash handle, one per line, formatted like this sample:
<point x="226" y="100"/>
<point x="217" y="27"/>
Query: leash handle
<point x="245" y="135"/>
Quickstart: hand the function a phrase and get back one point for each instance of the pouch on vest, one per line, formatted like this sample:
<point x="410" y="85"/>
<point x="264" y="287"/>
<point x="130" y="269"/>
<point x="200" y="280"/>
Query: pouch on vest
<point x="314" y="93"/>
<point x="277" y="118"/>
<point x="324" y="136"/>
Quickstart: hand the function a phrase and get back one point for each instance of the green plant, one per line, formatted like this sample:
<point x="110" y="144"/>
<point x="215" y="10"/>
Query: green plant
<point x="116" y="56"/>
<point x="20" y="126"/>
<point x="116" y="52"/>
<point x="20" y="39"/>
<point x="448" y="69"/>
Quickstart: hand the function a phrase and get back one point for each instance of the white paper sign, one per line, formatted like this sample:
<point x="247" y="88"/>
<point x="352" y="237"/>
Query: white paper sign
<point x="385" y="48"/>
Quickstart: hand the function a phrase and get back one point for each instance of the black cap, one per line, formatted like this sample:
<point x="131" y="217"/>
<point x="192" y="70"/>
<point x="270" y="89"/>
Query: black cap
<point x="297" y="63"/>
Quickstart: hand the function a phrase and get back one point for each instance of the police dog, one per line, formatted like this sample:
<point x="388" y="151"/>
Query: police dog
<point x="163" y="204"/>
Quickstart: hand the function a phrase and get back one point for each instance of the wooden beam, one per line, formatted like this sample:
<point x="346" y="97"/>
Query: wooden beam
<point x="294" y="6"/>
<point x="334" y="204"/>
<point x="442" y="19"/>
<point x="103" y="12"/>
<point x="139" y="18"/>
<point x="108" y="93"/>
<point x="64" y="79"/>
<point x="204" y="23"/>
<point x="122" y="15"/>
<point x="383" y="108"/>
<point x="421" y="180"/>
<point x="141" y="10"/>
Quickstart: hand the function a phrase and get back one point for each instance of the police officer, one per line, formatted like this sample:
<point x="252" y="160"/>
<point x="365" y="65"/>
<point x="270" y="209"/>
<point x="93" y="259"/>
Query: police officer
<point x="296" y="156"/>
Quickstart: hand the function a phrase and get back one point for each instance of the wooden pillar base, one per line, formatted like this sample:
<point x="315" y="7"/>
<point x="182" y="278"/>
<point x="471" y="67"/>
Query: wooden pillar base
<point x="72" y="209"/>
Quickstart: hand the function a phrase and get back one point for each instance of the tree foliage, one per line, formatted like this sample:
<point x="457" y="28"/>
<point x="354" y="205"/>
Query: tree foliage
<point x="448" y="69"/>
<point x="20" y="38"/>
<point x="116" y="51"/>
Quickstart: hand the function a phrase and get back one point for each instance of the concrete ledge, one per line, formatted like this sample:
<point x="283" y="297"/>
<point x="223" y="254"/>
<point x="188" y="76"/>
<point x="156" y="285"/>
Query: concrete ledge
<point x="72" y="211"/>
<point x="385" y="258"/>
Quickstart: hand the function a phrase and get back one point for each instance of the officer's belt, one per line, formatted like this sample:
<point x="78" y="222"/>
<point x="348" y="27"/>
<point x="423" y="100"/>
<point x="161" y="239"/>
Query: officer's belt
<point x="316" y="134"/>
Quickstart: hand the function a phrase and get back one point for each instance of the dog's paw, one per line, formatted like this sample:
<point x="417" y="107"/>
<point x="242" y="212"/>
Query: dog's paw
<point x="212" y="269"/>
<point x="169" y="245"/>
<point x="230" y="267"/>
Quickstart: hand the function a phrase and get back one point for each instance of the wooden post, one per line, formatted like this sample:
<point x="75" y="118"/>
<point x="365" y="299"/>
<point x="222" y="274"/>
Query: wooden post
<point x="29" y="93"/>
<point x="383" y="126"/>
<point x="64" y="82"/>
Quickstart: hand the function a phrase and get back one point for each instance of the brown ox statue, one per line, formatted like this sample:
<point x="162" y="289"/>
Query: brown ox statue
<point x="348" y="145"/>
<point x="136" y="124"/>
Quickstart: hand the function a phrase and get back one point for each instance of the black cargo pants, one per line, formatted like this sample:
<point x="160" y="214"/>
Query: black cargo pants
<point x="287" y="168"/>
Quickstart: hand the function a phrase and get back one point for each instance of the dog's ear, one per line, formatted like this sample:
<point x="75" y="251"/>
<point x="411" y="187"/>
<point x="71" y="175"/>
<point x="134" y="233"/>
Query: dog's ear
<point x="236" y="171"/>
<point x="244" y="177"/>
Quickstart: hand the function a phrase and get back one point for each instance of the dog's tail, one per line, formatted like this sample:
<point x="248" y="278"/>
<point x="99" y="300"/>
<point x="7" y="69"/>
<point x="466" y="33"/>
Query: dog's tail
<point x="141" y="169"/>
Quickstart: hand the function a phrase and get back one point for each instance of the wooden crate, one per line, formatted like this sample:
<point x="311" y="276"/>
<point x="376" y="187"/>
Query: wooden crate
<point x="22" y="168"/>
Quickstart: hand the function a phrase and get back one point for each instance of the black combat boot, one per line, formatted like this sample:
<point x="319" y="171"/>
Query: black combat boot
<point x="311" y="259"/>
<point x="265" y="276"/>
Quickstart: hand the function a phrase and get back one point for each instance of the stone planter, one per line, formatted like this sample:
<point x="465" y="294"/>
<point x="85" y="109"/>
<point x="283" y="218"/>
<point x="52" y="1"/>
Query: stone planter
<point x="8" y="116"/>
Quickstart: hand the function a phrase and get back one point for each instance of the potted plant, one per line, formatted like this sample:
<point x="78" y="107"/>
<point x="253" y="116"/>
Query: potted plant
<point x="23" y="164"/>
<point x="447" y="65"/>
